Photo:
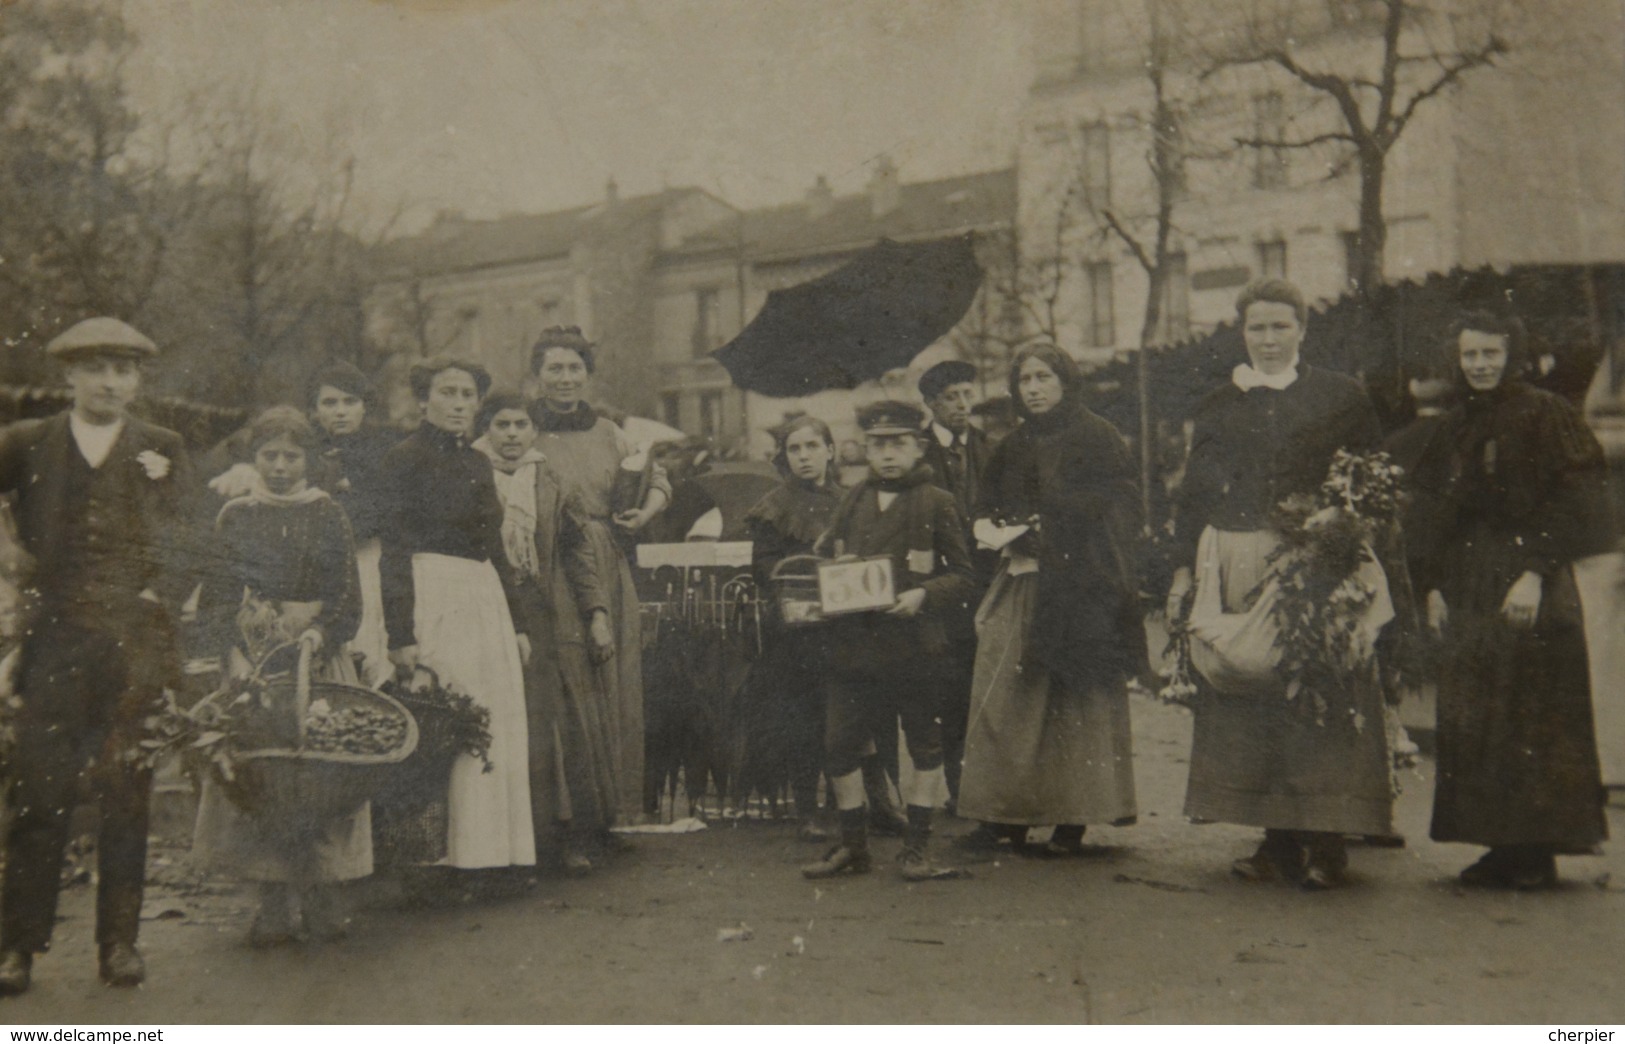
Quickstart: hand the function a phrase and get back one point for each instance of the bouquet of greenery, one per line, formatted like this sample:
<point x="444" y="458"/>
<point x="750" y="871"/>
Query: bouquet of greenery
<point x="1333" y="596"/>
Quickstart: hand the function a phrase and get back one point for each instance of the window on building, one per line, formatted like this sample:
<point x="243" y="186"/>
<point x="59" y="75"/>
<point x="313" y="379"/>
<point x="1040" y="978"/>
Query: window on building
<point x="1269" y="124"/>
<point x="707" y="320"/>
<point x="1176" y="299"/>
<point x="1102" y="319"/>
<point x="1272" y="259"/>
<point x="1097" y="165"/>
<point x="1094" y="41"/>
<point x="671" y="409"/>
<point x="710" y="414"/>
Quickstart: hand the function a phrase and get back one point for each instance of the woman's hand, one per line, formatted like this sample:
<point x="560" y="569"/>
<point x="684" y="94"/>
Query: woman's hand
<point x="634" y="520"/>
<point x="524" y="647"/>
<point x="1523" y="601"/>
<point x="603" y="640"/>
<point x="1438" y="612"/>
<point x="909" y="603"/>
<point x="1178" y="591"/>
<point x="313" y="638"/>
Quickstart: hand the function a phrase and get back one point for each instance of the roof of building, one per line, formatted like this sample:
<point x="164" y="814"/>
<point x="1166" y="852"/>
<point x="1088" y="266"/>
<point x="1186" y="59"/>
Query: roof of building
<point x="784" y="232"/>
<point x="927" y="208"/>
<point x="457" y="244"/>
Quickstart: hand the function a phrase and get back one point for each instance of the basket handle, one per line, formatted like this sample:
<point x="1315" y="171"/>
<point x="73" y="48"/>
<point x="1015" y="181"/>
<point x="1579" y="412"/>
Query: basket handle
<point x="780" y="573"/>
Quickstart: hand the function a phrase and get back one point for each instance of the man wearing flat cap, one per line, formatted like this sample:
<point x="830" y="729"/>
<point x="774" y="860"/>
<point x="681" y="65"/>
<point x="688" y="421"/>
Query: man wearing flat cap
<point x="957" y="453"/>
<point x="98" y="498"/>
<point x="883" y="665"/>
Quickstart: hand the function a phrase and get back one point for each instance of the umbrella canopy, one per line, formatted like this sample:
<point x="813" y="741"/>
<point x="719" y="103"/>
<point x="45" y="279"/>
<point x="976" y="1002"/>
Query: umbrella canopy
<point x="736" y="486"/>
<point x="873" y="314"/>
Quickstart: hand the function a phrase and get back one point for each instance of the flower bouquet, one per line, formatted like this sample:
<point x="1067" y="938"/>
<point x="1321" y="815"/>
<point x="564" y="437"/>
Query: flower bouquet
<point x="1310" y="626"/>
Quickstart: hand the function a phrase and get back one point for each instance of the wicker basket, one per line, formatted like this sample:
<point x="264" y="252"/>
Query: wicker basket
<point x="795" y="591"/>
<point x="296" y="793"/>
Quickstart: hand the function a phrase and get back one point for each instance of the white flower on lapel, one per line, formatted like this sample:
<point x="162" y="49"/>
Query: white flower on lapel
<point x="156" y="463"/>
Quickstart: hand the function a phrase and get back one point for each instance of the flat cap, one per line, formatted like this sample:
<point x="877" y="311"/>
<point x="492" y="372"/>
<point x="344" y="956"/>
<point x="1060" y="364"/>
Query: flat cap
<point x="891" y="417"/>
<point x="945" y="375"/>
<point x="101" y="334"/>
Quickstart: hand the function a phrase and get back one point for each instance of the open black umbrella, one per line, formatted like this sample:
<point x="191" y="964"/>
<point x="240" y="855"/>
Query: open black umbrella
<point x="873" y="314"/>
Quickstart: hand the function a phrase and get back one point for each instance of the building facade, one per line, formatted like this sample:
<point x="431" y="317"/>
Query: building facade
<point x="661" y="282"/>
<point x="1521" y="163"/>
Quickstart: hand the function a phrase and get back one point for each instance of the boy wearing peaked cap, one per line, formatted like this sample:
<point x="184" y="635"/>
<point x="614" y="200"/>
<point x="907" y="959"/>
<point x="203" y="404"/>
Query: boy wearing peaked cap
<point x="885" y="664"/>
<point x="98" y="497"/>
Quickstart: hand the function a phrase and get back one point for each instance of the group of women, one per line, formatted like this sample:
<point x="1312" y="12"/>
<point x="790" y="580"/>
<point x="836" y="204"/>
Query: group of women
<point x="1520" y="486"/>
<point x="486" y="550"/>
<point x="499" y="574"/>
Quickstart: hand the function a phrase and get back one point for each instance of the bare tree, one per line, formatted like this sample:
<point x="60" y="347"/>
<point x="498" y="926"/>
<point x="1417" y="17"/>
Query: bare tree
<point x="1413" y="53"/>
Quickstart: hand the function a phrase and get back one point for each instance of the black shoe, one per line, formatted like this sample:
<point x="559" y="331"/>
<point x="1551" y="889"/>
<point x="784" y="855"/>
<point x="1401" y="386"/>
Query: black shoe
<point x="16" y="972"/>
<point x="1533" y="872"/>
<point x="1493" y="870"/>
<point x="838" y="861"/>
<point x="1279" y="855"/>
<point x="121" y="965"/>
<point x="917" y="866"/>
<point x="1322" y="879"/>
<point x="327" y="915"/>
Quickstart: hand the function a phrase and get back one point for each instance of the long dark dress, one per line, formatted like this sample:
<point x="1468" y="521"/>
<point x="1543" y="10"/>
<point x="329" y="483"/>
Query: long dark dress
<point x="280" y="568"/>
<point x="1526" y="490"/>
<point x="1258" y="761"/>
<point x="783" y="705"/>
<point x="1049" y="739"/>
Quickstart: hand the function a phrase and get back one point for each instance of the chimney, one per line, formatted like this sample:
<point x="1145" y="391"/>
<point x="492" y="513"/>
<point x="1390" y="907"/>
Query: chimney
<point x="820" y="198"/>
<point x="884" y="192"/>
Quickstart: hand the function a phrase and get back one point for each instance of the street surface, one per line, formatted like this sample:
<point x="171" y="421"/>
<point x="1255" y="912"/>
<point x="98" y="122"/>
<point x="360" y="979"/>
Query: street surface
<point x="1151" y="929"/>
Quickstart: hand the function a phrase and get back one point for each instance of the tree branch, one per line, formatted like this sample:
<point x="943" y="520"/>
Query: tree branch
<point x="1129" y="240"/>
<point x="1301" y="143"/>
<point x="1480" y="56"/>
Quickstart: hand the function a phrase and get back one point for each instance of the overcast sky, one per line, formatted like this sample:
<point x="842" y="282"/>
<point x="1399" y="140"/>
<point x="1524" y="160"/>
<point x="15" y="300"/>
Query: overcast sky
<point x="492" y="106"/>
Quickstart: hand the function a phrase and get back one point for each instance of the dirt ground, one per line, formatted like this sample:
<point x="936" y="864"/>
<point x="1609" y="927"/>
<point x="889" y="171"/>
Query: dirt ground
<point x="1150" y="929"/>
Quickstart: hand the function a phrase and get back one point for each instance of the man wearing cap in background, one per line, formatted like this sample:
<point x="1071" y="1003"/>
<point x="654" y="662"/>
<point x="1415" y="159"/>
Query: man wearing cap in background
<point x="98" y="498"/>
<point x="957" y="453"/>
<point x="884" y="664"/>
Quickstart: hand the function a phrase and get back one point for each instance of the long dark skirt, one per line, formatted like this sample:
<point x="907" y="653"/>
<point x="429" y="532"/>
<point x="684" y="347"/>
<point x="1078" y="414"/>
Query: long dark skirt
<point x="1517" y="747"/>
<point x="1260" y="761"/>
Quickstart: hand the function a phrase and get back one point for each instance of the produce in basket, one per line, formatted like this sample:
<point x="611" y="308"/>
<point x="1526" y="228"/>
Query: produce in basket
<point x="353" y="730"/>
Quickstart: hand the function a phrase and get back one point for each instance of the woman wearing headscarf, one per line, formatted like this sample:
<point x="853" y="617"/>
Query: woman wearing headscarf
<point x="1270" y="433"/>
<point x="451" y="606"/>
<point x="567" y="619"/>
<point x="594" y="460"/>
<point x="784" y="703"/>
<point x="1060" y="629"/>
<point x="1525" y="494"/>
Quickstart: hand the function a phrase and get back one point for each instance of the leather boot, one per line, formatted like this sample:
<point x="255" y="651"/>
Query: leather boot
<point x="120" y="964"/>
<point x="1279" y="855"/>
<point x="1327" y="860"/>
<point x="16" y="972"/>
<point x="916" y="864"/>
<point x="851" y="856"/>
<point x="885" y="818"/>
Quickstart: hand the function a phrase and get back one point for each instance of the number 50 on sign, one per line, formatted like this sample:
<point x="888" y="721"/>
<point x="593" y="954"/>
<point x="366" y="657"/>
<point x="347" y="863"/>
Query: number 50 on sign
<point x="852" y="587"/>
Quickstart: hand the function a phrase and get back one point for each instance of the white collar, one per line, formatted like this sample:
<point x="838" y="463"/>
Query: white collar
<point x="95" y="441"/>
<point x="944" y="435"/>
<point x="1246" y="378"/>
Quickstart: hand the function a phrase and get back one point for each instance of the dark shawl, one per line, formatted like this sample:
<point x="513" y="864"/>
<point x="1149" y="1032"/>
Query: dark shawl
<point x="1072" y="469"/>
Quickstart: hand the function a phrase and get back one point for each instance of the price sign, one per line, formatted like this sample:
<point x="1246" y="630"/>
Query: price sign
<point x="853" y="587"/>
